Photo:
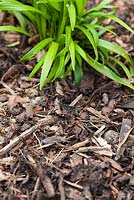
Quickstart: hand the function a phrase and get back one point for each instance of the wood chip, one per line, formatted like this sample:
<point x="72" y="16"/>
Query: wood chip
<point x="76" y="100"/>
<point x="61" y="187"/>
<point x="99" y="115"/>
<point x="16" y="140"/>
<point x="99" y="150"/>
<point x="119" y="151"/>
<point x="46" y="181"/>
<point x="114" y="164"/>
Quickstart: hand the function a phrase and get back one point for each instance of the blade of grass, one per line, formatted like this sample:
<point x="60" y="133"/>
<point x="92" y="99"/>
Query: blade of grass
<point x="15" y="29"/>
<point x="119" y="21"/>
<point x="80" y="7"/>
<point x="62" y="19"/>
<point x="122" y="65"/>
<point x="114" y="48"/>
<point x="72" y="53"/>
<point x="49" y="58"/>
<point x="93" y="31"/>
<point x="90" y="38"/>
<point x="114" y="18"/>
<point x="102" y="68"/>
<point x="78" y="73"/>
<point x="72" y="15"/>
<point x="36" y="49"/>
<point x="37" y="67"/>
<point x="68" y="36"/>
<point x="21" y="19"/>
<point x="60" y="66"/>
<point x="15" y="5"/>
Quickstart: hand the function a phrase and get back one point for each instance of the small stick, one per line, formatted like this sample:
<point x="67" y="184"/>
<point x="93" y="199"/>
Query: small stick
<point x="36" y="188"/>
<point x="14" y="142"/>
<point x="73" y="184"/>
<point x="75" y="101"/>
<point x="99" y="115"/>
<point x="8" y="88"/>
<point x="61" y="187"/>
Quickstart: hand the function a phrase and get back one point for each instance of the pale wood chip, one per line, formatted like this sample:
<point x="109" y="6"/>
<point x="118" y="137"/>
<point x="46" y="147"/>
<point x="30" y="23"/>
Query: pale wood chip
<point x="61" y="187"/>
<point x="16" y="140"/>
<point x="76" y="100"/>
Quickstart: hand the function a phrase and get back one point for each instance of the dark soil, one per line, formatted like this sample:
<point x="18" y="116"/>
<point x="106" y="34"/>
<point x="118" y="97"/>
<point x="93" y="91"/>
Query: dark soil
<point x="65" y="142"/>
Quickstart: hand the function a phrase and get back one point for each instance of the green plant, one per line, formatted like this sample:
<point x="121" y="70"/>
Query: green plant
<point x="70" y="34"/>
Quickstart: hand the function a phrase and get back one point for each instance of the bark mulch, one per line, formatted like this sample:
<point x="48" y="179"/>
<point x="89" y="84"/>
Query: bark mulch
<point x="65" y="142"/>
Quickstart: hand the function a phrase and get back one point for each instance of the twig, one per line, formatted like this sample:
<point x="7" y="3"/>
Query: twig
<point x="100" y="116"/>
<point x="73" y="184"/>
<point x="120" y="145"/>
<point x="77" y="145"/>
<point x="75" y="101"/>
<point x="98" y="90"/>
<point x="14" y="142"/>
<point x="7" y="88"/>
<point x="61" y="187"/>
<point x="36" y="188"/>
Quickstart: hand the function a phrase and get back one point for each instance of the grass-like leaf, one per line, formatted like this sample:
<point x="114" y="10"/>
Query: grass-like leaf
<point x="80" y="5"/>
<point x="122" y="65"/>
<point x="60" y="67"/>
<point x="15" y="5"/>
<point x="114" y="48"/>
<point x="49" y="58"/>
<point x="72" y="15"/>
<point x="37" y="67"/>
<point x="13" y="28"/>
<point x="102" y="68"/>
<point x="72" y="53"/>
<point x="70" y="34"/>
<point x="90" y="38"/>
<point x="36" y="49"/>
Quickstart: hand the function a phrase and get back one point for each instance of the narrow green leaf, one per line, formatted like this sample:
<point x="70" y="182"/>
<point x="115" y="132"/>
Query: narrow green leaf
<point x="101" y="5"/>
<point x="109" y="15"/>
<point x="37" y="67"/>
<point x="36" y="49"/>
<point x="52" y="71"/>
<point x="72" y="15"/>
<point x="90" y="38"/>
<point x="47" y="1"/>
<point x="63" y="16"/>
<point x="12" y="28"/>
<point x="122" y="65"/>
<point x="62" y="52"/>
<point x="119" y="21"/>
<point x="102" y="68"/>
<point x="16" y="5"/>
<point x="114" y="48"/>
<point x="67" y="72"/>
<point x="80" y="7"/>
<point x="112" y="67"/>
<point x="67" y="58"/>
<point x="68" y="36"/>
<point x="21" y="19"/>
<point x="55" y="4"/>
<point x="105" y="29"/>
<point x="78" y="72"/>
<point x="60" y="66"/>
<point x="41" y="21"/>
<point x="93" y="31"/>
<point x="49" y="58"/>
<point x="72" y="53"/>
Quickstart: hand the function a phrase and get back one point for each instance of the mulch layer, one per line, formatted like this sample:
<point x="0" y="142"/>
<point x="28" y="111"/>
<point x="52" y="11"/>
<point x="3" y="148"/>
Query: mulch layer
<point x="65" y="142"/>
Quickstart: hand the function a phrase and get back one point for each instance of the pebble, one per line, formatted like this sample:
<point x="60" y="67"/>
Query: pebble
<point x="111" y="137"/>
